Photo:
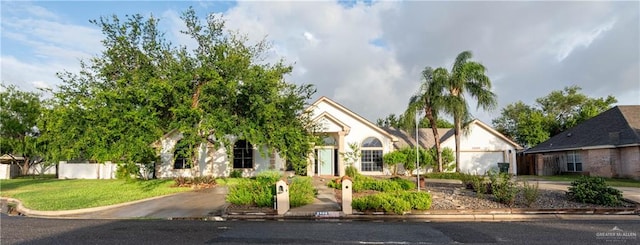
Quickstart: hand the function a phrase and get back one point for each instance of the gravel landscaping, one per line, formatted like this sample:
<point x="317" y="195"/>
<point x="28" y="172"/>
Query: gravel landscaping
<point x="457" y="197"/>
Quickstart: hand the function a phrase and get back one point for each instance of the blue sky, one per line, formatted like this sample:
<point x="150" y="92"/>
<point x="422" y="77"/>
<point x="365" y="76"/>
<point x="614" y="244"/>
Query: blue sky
<point x="365" y="55"/>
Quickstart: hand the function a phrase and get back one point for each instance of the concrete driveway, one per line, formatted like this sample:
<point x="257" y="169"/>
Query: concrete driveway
<point x="199" y="203"/>
<point x="630" y="193"/>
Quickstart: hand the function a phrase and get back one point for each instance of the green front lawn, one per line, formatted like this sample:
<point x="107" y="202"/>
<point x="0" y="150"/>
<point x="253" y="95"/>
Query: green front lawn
<point x="569" y="178"/>
<point x="55" y="194"/>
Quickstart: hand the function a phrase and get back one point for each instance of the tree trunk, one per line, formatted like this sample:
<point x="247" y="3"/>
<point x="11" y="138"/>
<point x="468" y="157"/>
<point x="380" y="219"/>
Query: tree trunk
<point x="457" y="138"/>
<point x="434" y="128"/>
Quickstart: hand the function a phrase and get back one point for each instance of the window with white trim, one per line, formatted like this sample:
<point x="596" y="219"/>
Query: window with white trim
<point x="371" y="155"/>
<point x="242" y="154"/>
<point x="574" y="161"/>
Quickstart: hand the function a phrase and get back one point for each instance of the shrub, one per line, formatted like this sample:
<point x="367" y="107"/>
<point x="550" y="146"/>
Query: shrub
<point x="398" y="203"/>
<point x="530" y="193"/>
<point x="258" y="192"/>
<point x="479" y="185"/>
<point x="334" y="184"/>
<point x="594" y="190"/>
<point x="417" y="200"/>
<point x="404" y="183"/>
<point x="301" y="191"/>
<point x="269" y="177"/>
<point x="444" y="175"/>
<point x="352" y="172"/>
<point x="504" y="190"/>
<point x="127" y="171"/>
<point x="241" y="193"/>
<point x="195" y="181"/>
<point x="236" y="173"/>
<point x="376" y="185"/>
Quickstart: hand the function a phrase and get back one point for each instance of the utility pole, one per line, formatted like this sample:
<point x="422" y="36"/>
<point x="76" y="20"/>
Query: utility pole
<point x="417" y="151"/>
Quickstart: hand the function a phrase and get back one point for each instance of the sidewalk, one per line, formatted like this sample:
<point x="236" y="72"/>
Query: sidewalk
<point x="325" y="202"/>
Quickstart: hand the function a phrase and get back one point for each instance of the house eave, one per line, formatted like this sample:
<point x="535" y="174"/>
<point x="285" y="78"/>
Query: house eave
<point x="595" y="147"/>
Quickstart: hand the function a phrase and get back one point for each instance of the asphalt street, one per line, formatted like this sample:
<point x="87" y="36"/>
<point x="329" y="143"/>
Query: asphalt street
<point x="25" y="230"/>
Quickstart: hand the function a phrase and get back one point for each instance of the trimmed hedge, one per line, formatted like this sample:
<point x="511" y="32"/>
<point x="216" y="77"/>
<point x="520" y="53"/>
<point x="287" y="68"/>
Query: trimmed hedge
<point x="398" y="202"/>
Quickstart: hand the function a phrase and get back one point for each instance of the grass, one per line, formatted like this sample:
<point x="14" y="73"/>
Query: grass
<point x="569" y="178"/>
<point x="228" y="181"/>
<point x="55" y="194"/>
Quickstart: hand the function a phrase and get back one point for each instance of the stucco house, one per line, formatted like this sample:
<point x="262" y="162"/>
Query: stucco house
<point x="340" y="129"/>
<point x="606" y="145"/>
<point x="481" y="146"/>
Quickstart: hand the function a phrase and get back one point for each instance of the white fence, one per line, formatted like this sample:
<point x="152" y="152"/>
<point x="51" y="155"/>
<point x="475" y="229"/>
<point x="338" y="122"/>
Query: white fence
<point x="87" y="170"/>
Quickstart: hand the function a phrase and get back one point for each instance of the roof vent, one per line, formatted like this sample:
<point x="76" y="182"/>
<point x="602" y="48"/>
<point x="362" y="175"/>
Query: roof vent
<point x="614" y="138"/>
<point x="569" y="134"/>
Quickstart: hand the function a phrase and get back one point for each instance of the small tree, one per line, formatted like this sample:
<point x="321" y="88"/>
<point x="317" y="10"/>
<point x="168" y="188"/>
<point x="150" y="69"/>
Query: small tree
<point x="392" y="160"/>
<point x="353" y="156"/>
<point x="20" y="113"/>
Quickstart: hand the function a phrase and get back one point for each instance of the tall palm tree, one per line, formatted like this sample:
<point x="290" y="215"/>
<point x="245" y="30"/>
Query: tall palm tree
<point x="466" y="77"/>
<point x="429" y="98"/>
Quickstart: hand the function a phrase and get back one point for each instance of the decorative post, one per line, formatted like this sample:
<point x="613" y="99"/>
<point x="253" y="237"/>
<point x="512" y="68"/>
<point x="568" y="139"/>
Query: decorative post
<point x="282" y="197"/>
<point x="347" y="195"/>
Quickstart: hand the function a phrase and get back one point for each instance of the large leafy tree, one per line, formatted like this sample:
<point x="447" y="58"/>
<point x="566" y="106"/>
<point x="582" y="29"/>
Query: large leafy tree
<point x="20" y="113"/>
<point x="466" y="78"/>
<point x="552" y="114"/>
<point x="142" y="87"/>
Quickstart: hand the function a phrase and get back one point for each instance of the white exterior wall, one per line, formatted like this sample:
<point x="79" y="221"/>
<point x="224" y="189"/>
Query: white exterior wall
<point x="359" y="131"/>
<point x="481" y="150"/>
<point x="5" y="171"/>
<point x="211" y="161"/>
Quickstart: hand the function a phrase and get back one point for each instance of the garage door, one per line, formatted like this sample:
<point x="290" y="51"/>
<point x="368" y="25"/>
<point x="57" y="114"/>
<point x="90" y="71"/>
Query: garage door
<point x="479" y="162"/>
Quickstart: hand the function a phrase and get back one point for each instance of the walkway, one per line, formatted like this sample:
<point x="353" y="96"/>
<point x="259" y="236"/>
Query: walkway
<point x="325" y="202"/>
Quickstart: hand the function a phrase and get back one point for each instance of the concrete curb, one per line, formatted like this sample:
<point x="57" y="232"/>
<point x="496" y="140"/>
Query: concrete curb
<point x="56" y="214"/>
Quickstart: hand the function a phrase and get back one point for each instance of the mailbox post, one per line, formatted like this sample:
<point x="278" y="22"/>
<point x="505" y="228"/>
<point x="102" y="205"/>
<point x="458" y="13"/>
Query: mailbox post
<point x="347" y="196"/>
<point x="282" y="197"/>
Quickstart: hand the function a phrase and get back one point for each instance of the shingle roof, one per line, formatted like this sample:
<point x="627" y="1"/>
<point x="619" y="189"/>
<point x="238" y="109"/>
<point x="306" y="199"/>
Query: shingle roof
<point x="427" y="140"/>
<point x="615" y="127"/>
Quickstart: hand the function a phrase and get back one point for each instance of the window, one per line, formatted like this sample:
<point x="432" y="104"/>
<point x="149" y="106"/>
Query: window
<point x="181" y="160"/>
<point x="371" y="151"/>
<point x="242" y="154"/>
<point x="574" y="162"/>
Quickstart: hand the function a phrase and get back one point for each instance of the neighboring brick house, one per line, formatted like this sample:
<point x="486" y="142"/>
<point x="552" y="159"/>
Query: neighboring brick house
<point x="606" y="145"/>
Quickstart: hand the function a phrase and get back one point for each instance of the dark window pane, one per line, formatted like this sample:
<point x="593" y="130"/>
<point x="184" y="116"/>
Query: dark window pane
<point x="242" y="154"/>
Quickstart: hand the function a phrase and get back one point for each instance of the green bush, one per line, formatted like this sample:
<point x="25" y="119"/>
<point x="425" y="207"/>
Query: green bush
<point x="479" y="185"/>
<point x="254" y="192"/>
<point x="127" y="171"/>
<point x="443" y="175"/>
<point x="398" y="202"/>
<point x="242" y="193"/>
<point x="301" y="191"/>
<point x="404" y="183"/>
<point x="334" y="184"/>
<point x="191" y="181"/>
<point x="530" y="193"/>
<point x="504" y="190"/>
<point x="594" y="190"/>
<point x="417" y="200"/>
<point x="269" y="177"/>
<point x="352" y="172"/>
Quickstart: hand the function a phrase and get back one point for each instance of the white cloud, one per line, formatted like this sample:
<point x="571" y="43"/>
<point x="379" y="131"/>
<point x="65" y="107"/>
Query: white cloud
<point x="565" y="43"/>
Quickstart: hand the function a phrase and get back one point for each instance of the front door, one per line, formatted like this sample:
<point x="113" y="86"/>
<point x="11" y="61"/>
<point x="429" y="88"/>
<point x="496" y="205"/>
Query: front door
<point x="325" y="161"/>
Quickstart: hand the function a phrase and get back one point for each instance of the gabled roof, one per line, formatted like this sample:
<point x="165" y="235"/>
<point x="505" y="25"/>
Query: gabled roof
<point x="350" y="113"/>
<point x="616" y="127"/>
<point x="427" y="139"/>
